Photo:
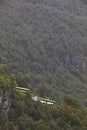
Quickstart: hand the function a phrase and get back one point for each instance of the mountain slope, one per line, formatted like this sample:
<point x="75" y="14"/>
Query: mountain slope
<point x="47" y="40"/>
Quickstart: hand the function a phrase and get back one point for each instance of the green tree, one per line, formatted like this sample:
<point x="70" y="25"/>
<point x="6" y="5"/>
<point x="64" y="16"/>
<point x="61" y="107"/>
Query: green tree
<point x="71" y="101"/>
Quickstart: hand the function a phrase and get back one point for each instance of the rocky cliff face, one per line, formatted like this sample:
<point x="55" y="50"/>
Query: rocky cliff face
<point x="5" y="101"/>
<point x="78" y="62"/>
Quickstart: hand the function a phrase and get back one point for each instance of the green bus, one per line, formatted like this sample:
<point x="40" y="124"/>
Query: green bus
<point x="22" y="90"/>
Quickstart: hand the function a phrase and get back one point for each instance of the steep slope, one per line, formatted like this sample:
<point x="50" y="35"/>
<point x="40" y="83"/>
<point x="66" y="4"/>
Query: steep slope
<point x="46" y="39"/>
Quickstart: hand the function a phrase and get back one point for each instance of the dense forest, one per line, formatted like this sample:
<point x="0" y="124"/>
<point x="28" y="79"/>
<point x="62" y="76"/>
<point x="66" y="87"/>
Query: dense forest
<point x="46" y="40"/>
<point x="19" y="112"/>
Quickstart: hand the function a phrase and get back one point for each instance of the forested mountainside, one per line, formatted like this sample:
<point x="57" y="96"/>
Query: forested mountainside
<point x="47" y="41"/>
<point x="19" y="112"/>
